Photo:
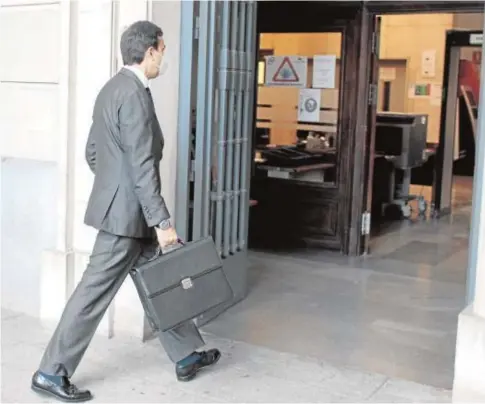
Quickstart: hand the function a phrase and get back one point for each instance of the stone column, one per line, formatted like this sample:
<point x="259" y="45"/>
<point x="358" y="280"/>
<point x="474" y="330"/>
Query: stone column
<point x="89" y="68"/>
<point x="57" y="266"/>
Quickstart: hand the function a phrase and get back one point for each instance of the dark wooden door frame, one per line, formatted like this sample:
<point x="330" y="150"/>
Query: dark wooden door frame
<point x="366" y="138"/>
<point x="360" y="196"/>
<point x="362" y="151"/>
<point x="344" y="17"/>
<point x="400" y="7"/>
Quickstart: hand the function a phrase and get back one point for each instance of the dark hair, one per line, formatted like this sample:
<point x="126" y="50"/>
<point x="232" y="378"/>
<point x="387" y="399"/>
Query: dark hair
<point x="137" y="39"/>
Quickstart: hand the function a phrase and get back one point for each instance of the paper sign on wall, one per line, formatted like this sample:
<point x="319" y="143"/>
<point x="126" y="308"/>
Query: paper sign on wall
<point x="324" y="67"/>
<point x="309" y="105"/>
<point x="286" y="71"/>
<point x="428" y="63"/>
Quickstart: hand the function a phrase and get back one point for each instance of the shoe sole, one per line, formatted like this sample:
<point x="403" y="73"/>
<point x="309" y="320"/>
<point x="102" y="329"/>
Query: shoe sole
<point x="191" y="376"/>
<point x="48" y="393"/>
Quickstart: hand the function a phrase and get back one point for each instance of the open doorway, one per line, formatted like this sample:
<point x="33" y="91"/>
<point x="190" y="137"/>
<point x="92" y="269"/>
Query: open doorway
<point x="297" y="140"/>
<point x="425" y="132"/>
<point x="377" y="313"/>
<point x="303" y="133"/>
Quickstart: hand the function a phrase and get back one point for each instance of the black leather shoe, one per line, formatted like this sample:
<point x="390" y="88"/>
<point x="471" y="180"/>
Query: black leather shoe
<point x="65" y="391"/>
<point x="187" y="373"/>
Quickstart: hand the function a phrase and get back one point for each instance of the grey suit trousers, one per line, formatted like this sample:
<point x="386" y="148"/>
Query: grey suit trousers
<point x="111" y="260"/>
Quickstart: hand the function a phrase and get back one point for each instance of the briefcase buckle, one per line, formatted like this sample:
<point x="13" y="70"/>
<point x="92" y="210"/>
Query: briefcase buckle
<point x="187" y="283"/>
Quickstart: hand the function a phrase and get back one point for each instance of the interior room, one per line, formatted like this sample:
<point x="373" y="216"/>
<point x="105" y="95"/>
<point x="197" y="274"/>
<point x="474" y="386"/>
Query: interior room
<point x="411" y="82"/>
<point x="296" y="152"/>
<point x="393" y="311"/>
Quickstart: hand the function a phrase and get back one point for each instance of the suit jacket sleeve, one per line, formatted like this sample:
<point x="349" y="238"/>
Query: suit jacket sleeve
<point x="137" y="141"/>
<point x="91" y="150"/>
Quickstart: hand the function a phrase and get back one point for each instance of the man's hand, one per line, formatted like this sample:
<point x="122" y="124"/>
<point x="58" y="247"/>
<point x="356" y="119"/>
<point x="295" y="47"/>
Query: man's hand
<point x="166" y="238"/>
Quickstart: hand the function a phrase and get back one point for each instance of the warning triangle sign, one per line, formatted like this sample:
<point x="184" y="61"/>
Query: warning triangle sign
<point x="286" y="72"/>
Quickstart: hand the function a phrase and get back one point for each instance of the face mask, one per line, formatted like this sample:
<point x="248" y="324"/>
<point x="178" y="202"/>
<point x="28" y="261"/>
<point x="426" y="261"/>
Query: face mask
<point x="163" y="67"/>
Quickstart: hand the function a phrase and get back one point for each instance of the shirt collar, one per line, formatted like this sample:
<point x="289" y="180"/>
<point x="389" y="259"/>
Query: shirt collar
<point x="138" y="73"/>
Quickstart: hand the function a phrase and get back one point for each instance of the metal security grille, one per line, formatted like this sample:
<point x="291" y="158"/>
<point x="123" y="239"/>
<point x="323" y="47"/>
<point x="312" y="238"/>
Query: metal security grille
<point x="217" y="97"/>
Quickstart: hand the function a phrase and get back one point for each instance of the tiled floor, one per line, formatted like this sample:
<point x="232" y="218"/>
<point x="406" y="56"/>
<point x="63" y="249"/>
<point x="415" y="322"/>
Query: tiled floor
<point x="393" y="312"/>
<point x="316" y="326"/>
<point x="124" y="370"/>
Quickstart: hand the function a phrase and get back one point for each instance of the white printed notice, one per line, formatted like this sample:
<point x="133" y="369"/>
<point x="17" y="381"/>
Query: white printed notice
<point x="309" y="105"/>
<point x="286" y="71"/>
<point x="324" y="67"/>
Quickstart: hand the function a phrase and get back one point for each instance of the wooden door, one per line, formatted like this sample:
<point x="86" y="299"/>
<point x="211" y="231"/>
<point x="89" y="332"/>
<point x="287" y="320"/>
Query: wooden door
<point x="319" y="215"/>
<point x="374" y="33"/>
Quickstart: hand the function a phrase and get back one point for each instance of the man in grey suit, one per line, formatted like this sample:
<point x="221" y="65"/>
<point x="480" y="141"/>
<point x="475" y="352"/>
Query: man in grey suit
<point x="124" y="150"/>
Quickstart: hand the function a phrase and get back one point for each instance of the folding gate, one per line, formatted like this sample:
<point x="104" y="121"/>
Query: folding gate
<point x="216" y="109"/>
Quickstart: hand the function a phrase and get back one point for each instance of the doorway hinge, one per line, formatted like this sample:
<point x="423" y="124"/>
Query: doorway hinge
<point x="373" y="94"/>
<point x="196" y="27"/>
<point x="375" y="43"/>
<point x="365" y="228"/>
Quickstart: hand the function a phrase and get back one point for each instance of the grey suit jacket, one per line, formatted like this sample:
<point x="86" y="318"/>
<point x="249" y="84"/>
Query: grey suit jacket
<point x="124" y="150"/>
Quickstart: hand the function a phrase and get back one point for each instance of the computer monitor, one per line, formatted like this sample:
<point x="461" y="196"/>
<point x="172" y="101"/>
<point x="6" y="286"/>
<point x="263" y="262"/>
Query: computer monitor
<point x="402" y="136"/>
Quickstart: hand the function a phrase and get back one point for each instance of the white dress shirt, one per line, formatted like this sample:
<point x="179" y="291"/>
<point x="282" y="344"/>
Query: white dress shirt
<point x="138" y="72"/>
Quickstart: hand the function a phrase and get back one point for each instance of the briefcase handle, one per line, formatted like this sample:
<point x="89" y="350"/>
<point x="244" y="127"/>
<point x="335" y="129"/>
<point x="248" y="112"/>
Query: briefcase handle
<point x="170" y="248"/>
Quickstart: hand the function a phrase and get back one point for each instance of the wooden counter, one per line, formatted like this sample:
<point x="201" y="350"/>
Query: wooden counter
<point x="291" y="210"/>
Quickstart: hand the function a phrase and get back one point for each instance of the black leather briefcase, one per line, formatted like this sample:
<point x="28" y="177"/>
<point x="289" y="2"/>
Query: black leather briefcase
<point x="179" y="286"/>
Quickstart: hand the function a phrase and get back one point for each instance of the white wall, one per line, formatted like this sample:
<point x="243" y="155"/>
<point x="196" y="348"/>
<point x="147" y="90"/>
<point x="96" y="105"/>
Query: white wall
<point x="28" y="204"/>
<point x="43" y="134"/>
<point x="167" y="14"/>
<point x="33" y="94"/>
<point x="29" y="82"/>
